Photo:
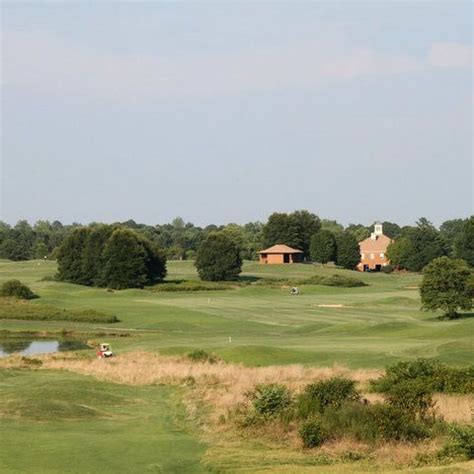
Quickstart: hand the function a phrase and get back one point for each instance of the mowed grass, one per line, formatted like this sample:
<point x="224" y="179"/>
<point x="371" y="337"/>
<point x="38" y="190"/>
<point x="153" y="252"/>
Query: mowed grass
<point x="257" y="324"/>
<point x="57" y="422"/>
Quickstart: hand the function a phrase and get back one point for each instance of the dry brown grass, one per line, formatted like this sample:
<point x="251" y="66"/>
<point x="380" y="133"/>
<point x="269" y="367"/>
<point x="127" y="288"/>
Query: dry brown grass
<point x="223" y="386"/>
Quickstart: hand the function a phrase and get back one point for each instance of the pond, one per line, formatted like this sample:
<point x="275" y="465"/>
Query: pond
<point x="28" y="347"/>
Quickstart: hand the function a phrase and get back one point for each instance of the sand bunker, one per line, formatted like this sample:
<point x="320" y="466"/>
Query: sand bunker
<point x="331" y="306"/>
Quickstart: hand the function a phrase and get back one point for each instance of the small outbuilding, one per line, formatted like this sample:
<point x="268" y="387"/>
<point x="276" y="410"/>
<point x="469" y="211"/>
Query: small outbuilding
<point x="280" y="254"/>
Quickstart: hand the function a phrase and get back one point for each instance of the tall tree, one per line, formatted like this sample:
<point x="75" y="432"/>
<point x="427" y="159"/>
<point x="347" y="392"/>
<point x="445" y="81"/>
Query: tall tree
<point x="218" y="258"/>
<point x="332" y="226"/>
<point x="125" y="261"/>
<point x="307" y="225"/>
<point x="69" y="256"/>
<point x="93" y="261"/>
<point x="359" y="231"/>
<point x="323" y="247"/>
<point x="390" y="229"/>
<point x="348" y="251"/>
<point x="447" y="285"/>
<point x="417" y="246"/>
<point x="281" y="228"/>
<point x="464" y="245"/>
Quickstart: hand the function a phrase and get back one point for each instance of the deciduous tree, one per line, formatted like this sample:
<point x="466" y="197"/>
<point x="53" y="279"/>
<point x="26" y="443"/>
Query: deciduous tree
<point x="448" y="286"/>
<point x="323" y="247"/>
<point x="348" y="251"/>
<point x="218" y="258"/>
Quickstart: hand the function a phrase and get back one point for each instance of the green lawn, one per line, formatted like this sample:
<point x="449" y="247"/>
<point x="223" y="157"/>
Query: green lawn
<point x="376" y="325"/>
<point x="57" y="422"/>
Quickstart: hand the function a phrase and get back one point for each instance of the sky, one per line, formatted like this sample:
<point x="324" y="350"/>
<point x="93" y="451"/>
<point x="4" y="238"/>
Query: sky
<point x="227" y="112"/>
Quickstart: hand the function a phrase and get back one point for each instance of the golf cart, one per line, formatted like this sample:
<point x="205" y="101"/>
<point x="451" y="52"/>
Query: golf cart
<point x="104" y="351"/>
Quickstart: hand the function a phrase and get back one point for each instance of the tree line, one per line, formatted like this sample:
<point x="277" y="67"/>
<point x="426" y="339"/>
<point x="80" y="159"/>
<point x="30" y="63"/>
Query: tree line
<point x="321" y="240"/>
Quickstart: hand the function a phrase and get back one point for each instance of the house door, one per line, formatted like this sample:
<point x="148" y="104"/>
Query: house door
<point x="286" y="258"/>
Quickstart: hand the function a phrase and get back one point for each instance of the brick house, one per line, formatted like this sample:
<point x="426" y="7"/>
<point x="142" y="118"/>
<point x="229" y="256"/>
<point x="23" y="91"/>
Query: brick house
<point x="280" y="254"/>
<point x="373" y="251"/>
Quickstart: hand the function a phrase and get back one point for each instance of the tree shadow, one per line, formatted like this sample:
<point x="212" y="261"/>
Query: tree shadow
<point x="249" y="278"/>
<point x="459" y="317"/>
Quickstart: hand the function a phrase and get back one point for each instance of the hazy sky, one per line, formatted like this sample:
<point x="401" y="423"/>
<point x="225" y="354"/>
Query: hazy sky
<point x="219" y="113"/>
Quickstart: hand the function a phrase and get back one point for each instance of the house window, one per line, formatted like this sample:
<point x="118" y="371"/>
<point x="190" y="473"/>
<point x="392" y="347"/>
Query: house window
<point x="362" y="255"/>
<point x="382" y="255"/>
<point x="372" y="256"/>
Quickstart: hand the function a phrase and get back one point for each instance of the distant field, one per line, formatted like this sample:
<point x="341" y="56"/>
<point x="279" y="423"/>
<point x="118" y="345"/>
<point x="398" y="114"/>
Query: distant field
<point x="358" y="327"/>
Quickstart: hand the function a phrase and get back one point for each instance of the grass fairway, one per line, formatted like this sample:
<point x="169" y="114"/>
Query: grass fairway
<point x="57" y="422"/>
<point x="359" y="327"/>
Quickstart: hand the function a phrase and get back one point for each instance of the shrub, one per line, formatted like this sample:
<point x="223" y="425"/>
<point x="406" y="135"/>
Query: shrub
<point x="342" y="281"/>
<point x="413" y="397"/>
<point x="372" y="423"/>
<point x="312" y="434"/>
<point x="312" y="280"/>
<point x="387" y="269"/>
<point x="435" y="375"/>
<point x="318" y="396"/>
<point x="394" y="424"/>
<point x="200" y="355"/>
<point x="351" y="418"/>
<point x="461" y="443"/>
<point x="270" y="399"/>
<point x="16" y="289"/>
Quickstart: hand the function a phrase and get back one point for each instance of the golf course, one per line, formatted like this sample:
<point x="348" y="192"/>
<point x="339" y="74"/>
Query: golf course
<point x="85" y="417"/>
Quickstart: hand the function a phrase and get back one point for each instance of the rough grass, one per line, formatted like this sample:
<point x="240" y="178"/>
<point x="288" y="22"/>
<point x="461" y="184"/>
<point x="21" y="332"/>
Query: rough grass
<point x="211" y="392"/>
<point x="12" y="308"/>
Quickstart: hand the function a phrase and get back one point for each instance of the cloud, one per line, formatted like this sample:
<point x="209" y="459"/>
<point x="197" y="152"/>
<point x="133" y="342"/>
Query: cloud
<point x="37" y="63"/>
<point x="450" y="55"/>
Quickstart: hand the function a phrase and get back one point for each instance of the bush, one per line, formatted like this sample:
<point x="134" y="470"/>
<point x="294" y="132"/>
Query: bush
<point x="462" y="442"/>
<point x="413" y="397"/>
<point x="387" y="269"/>
<point x="394" y="424"/>
<point x="200" y="355"/>
<point x="371" y="423"/>
<point x="342" y="281"/>
<point x="312" y="433"/>
<point x="270" y="399"/>
<point x="318" y="396"/>
<point x="432" y="373"/>
<point x="351" y="418"/>
<point x="16" y="289"/>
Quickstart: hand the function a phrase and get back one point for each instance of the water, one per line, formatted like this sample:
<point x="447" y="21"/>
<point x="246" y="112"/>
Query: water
<point x="29" y="347"/>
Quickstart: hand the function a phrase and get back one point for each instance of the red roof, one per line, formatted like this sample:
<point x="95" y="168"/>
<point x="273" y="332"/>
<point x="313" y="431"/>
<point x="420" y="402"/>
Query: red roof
<point x="379" y="244"/>
<point x="280" y="248"/>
